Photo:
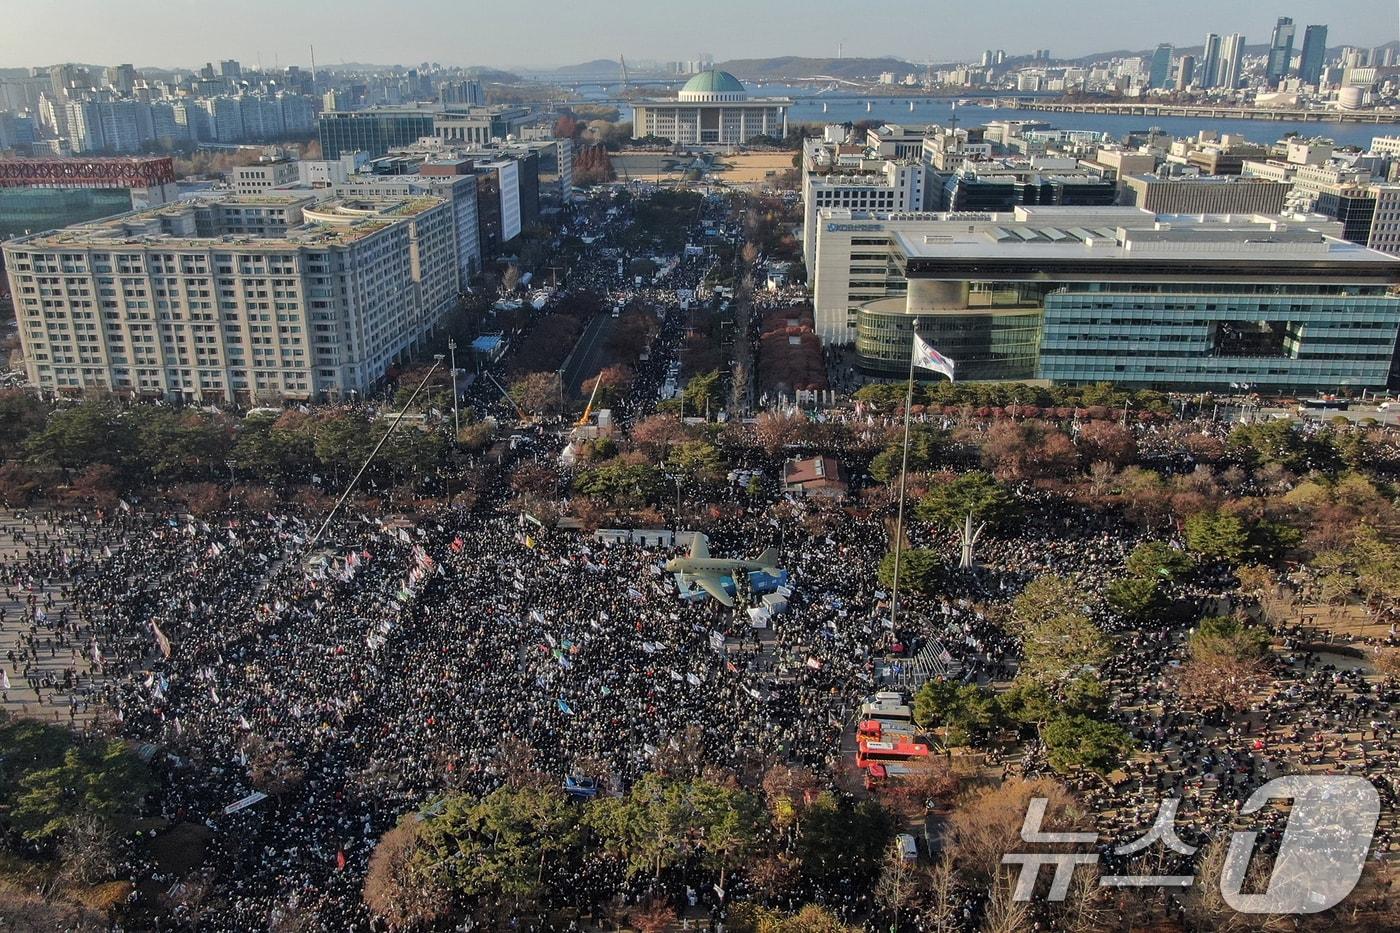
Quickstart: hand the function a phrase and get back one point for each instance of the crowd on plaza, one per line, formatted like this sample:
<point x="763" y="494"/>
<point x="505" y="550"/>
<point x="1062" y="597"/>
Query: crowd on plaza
<point x="356" y="675"/>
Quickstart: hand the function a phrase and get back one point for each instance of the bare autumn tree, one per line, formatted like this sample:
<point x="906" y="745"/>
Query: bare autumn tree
<point x="1017" y="450"/>
<point x="534" y="480"/>
<point x="399" y="888"/>
<point x="1106" y="441"/>
<point x="1087" y="906"/>
<point x="682" y="757"/>
<point x="787" y="790"/>
<point x="1206" y="909"/>
<point x="937" y="781"/>
<point x="1101" y="475"/>
<point x="87" y="853"/>
<point x="777" y="429"/>
<point x="941" y="911"/>
<point x="653" y="916"/>
<point x="897" y="884"/>
<point x="1002" y="913"/>
<point x="1223" y="680"/>
<point x="990" y="824"/>
<point x="538" y="393"/>
<point x="516" y="760"/>
<point x="1225" y="668"/>
<point x="510" y="279"/>
<point x="611" y="382"/>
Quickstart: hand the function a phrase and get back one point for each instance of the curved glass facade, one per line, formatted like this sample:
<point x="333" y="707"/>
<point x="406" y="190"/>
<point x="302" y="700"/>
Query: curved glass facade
<point x="990" y="344"/>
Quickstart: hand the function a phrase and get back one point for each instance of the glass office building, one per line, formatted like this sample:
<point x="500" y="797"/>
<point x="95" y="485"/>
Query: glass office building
<point x="31" y="210"/>
<point x="372" y="131"/>
<point x="1303" y="338"/>
<point x="991" y="344"/>
<point x="1184" y="302"/>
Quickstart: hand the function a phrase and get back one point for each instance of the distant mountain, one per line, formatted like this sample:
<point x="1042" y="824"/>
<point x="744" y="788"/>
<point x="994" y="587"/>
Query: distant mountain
<point x="794" y="66"/>
<point x="493" y="75"/>
<point x="599" y="66"/>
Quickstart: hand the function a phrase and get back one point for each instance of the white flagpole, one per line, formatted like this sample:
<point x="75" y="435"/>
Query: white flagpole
<point x="903" y="474"/>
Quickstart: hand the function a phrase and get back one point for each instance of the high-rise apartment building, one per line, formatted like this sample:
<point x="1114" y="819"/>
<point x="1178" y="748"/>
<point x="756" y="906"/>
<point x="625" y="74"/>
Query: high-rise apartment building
<point x="1161" y="66"/>
<point x="1314" y="54"/>
<point x="1210" y="62"/>
<point x="1185" y="72"/>
<point x="121" y="78"/>
<point x="1280" y="50"/>
<point x="1231" y="60"/>
<point x="108" y="125"/>
<point x="241" y="299"/>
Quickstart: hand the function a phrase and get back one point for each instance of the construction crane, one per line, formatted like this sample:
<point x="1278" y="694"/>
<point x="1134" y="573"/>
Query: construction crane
<point x="592" y="396"/>
<point x="623" y="61"/>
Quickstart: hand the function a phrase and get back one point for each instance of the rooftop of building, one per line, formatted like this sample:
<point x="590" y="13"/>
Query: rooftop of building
<point x="431" y="108"/>
<point x="1099" y="233"/>
<point x="1154" y="179"/>
<point x="714" y="82"/>
<point x="714" y="86"/>
<point x="331" y="222"/>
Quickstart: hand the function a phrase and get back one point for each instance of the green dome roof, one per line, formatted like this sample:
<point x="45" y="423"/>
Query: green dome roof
<point x="713" y="82"/>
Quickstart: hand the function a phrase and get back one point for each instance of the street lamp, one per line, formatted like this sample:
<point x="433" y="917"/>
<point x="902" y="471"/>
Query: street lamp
<point x="678" y="477"/>
<point x="456" y="419"/>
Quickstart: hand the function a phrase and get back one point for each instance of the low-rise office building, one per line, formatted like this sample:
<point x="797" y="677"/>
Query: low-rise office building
<point x="1081" y="295"/>
<point x="240" y="299"/>
<point x="1207" y="194"/>
<point x="380" y="129"/>
<point x="1002" y="186"/>
<point x="264" y="174"/>
<point x="875" y="184"/>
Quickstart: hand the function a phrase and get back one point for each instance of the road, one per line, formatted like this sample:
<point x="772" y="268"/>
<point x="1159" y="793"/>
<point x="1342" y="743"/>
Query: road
<point x="46" y="656"/>
<point x="589" y="354"/>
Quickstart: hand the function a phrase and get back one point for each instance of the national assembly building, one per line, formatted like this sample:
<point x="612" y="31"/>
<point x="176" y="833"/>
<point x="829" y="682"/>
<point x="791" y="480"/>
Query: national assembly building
<point x="712" y="109"/>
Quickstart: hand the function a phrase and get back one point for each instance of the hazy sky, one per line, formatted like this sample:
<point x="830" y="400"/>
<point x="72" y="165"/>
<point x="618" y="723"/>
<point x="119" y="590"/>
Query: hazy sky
<point x="553" y="32"/>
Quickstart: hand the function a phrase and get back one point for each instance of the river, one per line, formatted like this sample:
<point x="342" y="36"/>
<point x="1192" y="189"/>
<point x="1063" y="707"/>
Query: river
<point x="807" y="108"/>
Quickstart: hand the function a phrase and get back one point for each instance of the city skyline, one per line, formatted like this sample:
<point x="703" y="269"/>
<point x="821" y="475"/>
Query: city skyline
<point x="177" y="35"/>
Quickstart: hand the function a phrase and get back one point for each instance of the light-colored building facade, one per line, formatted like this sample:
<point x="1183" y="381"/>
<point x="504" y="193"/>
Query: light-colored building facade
<point x="479" y="125"/>
<point x="1207" y="194"/>
<point x="860" y="184"/>
<point x="1385" y="222"/>
<point x="458" y="190"/>
<point x="323" y="173"/>
<point x="260" y="176"/>
<point x="712" y="109"/>
<point x="1385" y="145"/>
<point x="241" y="299"/>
